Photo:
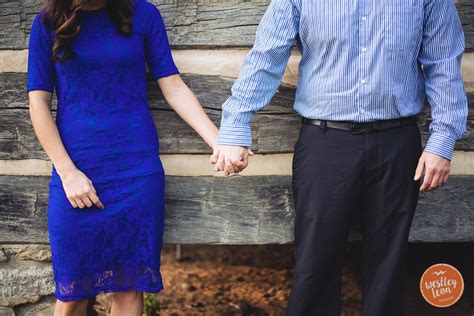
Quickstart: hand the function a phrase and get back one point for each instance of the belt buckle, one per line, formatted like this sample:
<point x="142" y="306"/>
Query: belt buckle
<point x="361" y="128"/>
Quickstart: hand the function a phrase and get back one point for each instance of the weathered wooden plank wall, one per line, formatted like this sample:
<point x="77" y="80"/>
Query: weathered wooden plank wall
<point x="235" y="210"/>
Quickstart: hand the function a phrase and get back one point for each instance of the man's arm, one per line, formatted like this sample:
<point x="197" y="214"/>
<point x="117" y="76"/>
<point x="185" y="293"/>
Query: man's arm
<point x="440" y="54"/>
<point x="259" y="78"/>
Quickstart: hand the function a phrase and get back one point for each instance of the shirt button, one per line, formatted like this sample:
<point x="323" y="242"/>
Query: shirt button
<point x="364" y="18"/>
<point x="362" y="111"/>
<point x="362" y="81"/>
<point x="364" y="49"/>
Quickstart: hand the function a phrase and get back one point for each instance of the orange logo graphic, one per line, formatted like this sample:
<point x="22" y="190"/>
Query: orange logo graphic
<point x="441" y="285"/>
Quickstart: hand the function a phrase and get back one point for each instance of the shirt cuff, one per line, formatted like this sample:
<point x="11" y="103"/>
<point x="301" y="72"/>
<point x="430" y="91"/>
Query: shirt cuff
<point x="441" y="144"/>
<point x="235" y="135"/>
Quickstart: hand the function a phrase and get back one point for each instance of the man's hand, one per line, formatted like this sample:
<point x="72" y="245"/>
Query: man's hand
<point x="436" y="171"/>
<point x="230" y="159"/>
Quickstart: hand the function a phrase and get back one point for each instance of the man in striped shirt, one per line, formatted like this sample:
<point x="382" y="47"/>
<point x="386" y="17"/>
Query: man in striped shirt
<point x="366" y="68"/>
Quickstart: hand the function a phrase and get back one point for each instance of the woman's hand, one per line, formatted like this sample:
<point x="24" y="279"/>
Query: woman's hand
<point x="79" y="190"/>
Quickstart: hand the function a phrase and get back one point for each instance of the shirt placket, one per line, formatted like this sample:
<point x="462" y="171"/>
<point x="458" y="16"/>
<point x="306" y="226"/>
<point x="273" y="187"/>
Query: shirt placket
<point x="364" y="80"/>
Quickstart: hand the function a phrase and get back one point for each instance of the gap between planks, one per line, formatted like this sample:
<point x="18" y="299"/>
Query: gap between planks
<point x="193" y="165"/>
<point x="222" y="62"/>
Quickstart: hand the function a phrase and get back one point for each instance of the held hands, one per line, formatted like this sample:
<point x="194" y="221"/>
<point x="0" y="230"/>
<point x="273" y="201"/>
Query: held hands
<point x="230" y="159"/>
<point x="79" y="190"/>
<point x="436" y="171"/>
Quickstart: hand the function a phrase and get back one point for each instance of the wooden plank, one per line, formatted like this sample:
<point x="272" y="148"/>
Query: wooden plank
<point x="23" y="212"/>
<point x="211" y="24"/>
<point x="189" y="23"/>
<point x="212" y="91"/>
<point x="466" y="14"/>
<point x="275" y="128"/>
<point x="235" y="210"/>
<point x="446" y="214"/>
<point x="17" y="139"/>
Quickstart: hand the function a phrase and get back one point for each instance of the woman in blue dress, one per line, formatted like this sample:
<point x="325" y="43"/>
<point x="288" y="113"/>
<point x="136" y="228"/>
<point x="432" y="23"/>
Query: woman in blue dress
<point x="106" y="205"/>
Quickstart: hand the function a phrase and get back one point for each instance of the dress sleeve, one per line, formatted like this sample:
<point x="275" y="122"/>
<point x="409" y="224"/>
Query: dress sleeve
<point x="158" y="53"/>
<point x="41" y="72"/>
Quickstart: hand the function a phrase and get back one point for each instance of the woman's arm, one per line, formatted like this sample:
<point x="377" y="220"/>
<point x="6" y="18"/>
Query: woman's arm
<point x="79" y="189"/>
<point x="185" y="103"/>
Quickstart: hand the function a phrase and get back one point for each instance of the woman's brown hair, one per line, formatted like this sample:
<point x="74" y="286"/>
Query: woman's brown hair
<point x="62" y="16"/>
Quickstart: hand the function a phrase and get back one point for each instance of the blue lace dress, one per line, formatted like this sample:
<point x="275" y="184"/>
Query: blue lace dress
<point x="106" y="126"/>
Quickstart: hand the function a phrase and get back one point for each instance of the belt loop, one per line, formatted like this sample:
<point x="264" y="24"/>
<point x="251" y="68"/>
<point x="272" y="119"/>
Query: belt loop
<point x="323" y="126"/>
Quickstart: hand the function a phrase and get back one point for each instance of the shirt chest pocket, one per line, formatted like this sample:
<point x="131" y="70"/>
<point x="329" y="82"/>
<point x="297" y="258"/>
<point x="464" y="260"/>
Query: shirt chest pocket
<point x="402" y="27"/>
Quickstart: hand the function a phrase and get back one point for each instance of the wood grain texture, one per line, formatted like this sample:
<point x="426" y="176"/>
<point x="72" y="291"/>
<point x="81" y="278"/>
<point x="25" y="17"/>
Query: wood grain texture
<point x="189" y="23"/>
<point x="446" y="214"/>
<point x="235" y="210"/>
<point x="466" y="14"/>
<point x="23" y="212"/>
<point x="275" y="128"/>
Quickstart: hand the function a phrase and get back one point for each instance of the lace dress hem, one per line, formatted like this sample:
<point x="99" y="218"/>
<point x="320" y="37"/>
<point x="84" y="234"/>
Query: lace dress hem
<point x="68" y="298"/>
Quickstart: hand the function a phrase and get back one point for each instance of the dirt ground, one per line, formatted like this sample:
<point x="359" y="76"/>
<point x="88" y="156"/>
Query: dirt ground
<point x="255" y="280"/>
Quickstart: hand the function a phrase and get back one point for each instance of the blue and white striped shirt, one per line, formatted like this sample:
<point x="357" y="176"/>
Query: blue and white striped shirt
<point x="361" y="61"/>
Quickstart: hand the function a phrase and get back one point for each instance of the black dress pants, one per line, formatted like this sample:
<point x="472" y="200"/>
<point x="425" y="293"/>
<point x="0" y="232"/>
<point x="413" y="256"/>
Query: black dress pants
<point x="338" y="175"/>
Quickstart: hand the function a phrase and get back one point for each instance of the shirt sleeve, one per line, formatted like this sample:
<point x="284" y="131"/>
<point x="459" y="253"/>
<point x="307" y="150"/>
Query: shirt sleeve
<point x="261" y="72"/>
<point x="158" y="53"/>
<point x="440" y="54"/>
<point x="41" y="71"/>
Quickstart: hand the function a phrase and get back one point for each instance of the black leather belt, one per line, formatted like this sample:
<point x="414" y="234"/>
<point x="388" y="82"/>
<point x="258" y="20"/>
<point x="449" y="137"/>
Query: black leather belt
<point x="364" y="127"/>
